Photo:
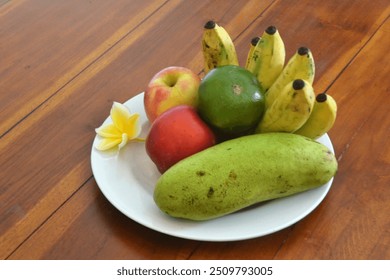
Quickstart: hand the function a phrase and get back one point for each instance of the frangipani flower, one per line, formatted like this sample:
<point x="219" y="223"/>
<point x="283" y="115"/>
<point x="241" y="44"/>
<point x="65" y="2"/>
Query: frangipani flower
<point x="124" y="128"/>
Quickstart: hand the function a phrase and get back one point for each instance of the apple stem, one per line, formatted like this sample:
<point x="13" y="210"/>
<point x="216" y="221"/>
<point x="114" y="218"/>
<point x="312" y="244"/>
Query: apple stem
<point x="171" y="81"/>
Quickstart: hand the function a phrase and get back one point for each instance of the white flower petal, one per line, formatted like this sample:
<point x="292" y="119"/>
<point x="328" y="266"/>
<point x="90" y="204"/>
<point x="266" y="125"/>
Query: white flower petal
<point x="120" y="115"/>
<point x="108" y="131"/>
<point x="107" y="143"/>
<point x="124" y="141"/>
<point x="133" y="127"/>
<point x="124" y="127"/>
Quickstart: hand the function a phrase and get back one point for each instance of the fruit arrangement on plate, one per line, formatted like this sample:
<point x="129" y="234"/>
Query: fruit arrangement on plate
<point x="237" y="137"/>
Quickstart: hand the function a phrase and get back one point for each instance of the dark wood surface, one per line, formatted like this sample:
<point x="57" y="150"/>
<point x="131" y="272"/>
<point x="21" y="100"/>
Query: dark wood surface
<point x="63" y="63"/>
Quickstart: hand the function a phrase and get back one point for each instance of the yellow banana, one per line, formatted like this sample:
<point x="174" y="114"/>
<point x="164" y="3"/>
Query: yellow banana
<point x="266" y="59"/>
<point x="290" y="110"/>
<point x="251" y="49"/>
<point x="300" y="66"/>
<point x="321" y="119"/>
<point x="218" y="48"/>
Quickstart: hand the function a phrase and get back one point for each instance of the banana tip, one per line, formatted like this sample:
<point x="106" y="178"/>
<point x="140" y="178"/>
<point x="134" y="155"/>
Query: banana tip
<point x="303" y="51"/>
<point x="298" y="84"/>
<point x="271" y="30"/>
<point x="321" y="97"/>
<point x="210" y="24"/>
<point x="255" y="40"/>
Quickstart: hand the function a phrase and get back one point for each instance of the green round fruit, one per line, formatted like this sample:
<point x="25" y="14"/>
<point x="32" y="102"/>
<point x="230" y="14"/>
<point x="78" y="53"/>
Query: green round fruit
<point x="231" y="100"/>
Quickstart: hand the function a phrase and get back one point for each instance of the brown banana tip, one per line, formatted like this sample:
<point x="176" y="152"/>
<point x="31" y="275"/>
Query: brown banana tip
<point x="254" y="41"/>
<point x="210" y="24"/>
<point x="303" y="51"/>
<point x="321" y="97"/>
<point x="298" y="84"/>
<point x="271" y="30"/>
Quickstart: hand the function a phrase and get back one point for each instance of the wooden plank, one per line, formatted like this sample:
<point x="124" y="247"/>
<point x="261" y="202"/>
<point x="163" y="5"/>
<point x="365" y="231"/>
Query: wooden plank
<point x="39" y="201"/>
<point x="332" y="30"/>
<point x="353" y="222"/>
<point x="309" y="238"/>
<point x="39" y="30"/>
<point x="3" y="2"/>
<point x="89" y="227"/>
<point x="85" y="102"/>
<point x="125" y="73"/>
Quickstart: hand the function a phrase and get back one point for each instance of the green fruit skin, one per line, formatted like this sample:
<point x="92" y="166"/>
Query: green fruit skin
<point x="241" y="172"/>
<point x="231" y="100"/>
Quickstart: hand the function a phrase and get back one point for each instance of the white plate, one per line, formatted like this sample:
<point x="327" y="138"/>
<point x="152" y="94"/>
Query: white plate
<point x="127" y="180"/>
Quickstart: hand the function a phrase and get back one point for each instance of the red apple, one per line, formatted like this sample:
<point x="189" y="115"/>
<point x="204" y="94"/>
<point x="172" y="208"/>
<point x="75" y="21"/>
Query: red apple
<point x="176" y="134"/>
<point x="170" y="87"/>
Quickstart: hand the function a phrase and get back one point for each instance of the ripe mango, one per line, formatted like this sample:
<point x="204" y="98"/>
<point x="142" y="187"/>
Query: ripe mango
<point x="241" y="172"/>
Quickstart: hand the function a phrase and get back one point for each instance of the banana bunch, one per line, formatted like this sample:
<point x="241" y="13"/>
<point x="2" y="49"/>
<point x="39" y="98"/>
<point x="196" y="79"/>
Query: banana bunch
<point x="297" y="110"/>
<point x="300" y="66"/>
<point x="218" y="48"/>
<point x="290" y="101"/>
<point x="291" y="104"/>
<point x="290" y="110"/>
<point x="266" y="57"/>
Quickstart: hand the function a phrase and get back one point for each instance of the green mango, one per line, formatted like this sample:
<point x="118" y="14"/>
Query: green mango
<point x="241" y="172"/>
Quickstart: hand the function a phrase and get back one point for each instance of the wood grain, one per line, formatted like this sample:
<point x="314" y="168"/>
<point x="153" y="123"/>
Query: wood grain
<point x="360" y="196"/>
<point x="44" y="65"/>
<point x="63" y="63"/>
<point x="71" y="115"/>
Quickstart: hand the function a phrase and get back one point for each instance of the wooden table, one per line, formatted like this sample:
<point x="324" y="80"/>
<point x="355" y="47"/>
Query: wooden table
<point x="63" y="63"/>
